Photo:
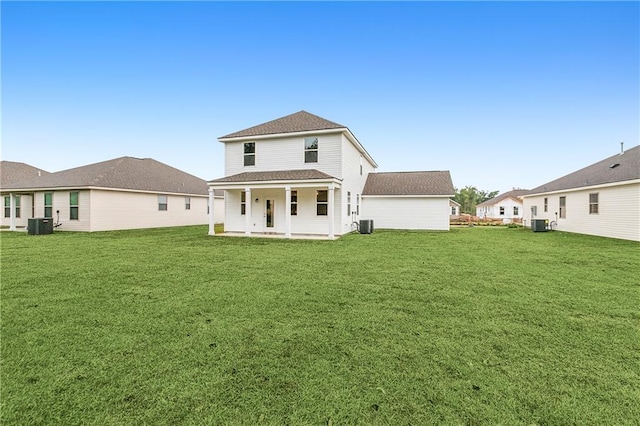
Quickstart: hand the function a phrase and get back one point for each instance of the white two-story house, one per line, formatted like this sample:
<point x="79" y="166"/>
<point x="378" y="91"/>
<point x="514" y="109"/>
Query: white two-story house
<point x="300" y="174"/>
<point x="304" y="175"/>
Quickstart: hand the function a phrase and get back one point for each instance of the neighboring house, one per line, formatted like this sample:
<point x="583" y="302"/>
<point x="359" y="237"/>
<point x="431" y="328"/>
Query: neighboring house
<point x="408" y="200"/>
<point x="602" y="199"/>
<point x="297" y="175"/>
<point x="506" y="206"/>
<point x="455" y="208"/>
<point x="124" y="193"/>
<point x="10" y="173"/>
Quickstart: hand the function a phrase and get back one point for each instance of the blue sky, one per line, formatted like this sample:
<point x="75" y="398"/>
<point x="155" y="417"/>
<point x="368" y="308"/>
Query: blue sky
<point x="502" y="94"/>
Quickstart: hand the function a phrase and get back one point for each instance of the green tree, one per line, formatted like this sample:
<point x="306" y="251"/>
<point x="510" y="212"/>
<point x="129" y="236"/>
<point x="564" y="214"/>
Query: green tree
<point x="469" y="197"/>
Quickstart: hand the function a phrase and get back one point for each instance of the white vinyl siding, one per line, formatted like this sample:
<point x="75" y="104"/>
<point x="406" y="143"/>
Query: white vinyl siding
<point x="111" y="210"/>
<point x="286" y="154"/>
<point x="407" y="212"/>
<point x="618" y="211"/>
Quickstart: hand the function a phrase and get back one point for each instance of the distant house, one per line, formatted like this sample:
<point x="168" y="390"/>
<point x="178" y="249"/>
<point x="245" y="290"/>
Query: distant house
<point x="408" y="200"/>
<point x="124" y="193"/>
<point x="506" y="206"/>
<point x="602" y="199"/>
<point x="455" y="208"/>
<point x="305" y="175"/>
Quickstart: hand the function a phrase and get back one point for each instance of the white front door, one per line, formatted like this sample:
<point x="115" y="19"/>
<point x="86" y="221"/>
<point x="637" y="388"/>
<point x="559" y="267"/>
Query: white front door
<point x="269" y="215"/>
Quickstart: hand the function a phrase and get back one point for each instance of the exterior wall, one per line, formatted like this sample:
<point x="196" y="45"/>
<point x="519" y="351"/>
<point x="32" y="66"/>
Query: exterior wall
<point x="407" y="212"/>
<point x="353" y="182"/>
<point x="60" y="203"/>
<point x="286" y="154"/>
<point x="26" y="202"/>
<point x="305" y="222"/>
<point x="111" y="210"/>
<point x="618" y="211"/>
<point x="493" y="211"/>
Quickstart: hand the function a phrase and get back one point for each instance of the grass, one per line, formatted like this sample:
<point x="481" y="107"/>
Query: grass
<point x="171" y="326"/>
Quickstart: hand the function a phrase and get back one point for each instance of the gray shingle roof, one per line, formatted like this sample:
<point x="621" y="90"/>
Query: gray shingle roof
<point x="409" y="183"/>
<point x="602" y="172"/>
<point x="509" y="194"/>
<point x="299" y="122"/>
<point x="308" y="174"/>
<point x="12" y="172"/>
<point x="143" y="174"/>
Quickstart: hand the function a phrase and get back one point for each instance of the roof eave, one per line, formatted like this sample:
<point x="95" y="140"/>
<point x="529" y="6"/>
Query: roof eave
<point x="584" y="188"/>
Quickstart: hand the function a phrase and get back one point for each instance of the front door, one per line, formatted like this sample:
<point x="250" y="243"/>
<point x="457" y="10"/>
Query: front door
<point x="270" y="212"/>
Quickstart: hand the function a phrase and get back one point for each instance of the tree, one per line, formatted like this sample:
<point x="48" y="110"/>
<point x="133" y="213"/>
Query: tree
<point x="469" y="197"/>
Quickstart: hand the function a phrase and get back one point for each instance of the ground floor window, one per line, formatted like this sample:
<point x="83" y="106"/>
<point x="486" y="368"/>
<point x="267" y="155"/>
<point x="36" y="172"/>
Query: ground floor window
<point x="593" y="203"/>
<point x="515" y="210"/>
<point x="73" y="205"/>
<point x="348" y="203"/>
<point x="322" y="202"/>
<point x="357" y="204"/>
<point x="453" y="211"/>
<point x="163" y="202"/>
<point x="563" y="207"/>
<point x="294" y="203"/>
<point x="7" y="206"/>
<point x="48" y="204"/>
<point x="243" y="202"/>
<point x="187" y="203"/>
<point x="501" y="211"/>
<point x="546" y="204"/>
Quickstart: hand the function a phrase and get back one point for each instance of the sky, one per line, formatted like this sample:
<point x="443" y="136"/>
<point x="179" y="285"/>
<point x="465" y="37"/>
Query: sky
<point x="502" y="94"/>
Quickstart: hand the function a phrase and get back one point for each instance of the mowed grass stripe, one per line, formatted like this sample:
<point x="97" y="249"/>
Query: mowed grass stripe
<point x="471" y="326"/>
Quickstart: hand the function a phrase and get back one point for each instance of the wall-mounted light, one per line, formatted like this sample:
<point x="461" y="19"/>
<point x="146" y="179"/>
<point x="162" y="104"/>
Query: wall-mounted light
<point x="257" y="200"/>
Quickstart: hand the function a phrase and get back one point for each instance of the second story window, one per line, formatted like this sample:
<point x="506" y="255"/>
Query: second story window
<point x="250" y="154"/>
<point x="311" y="150"/>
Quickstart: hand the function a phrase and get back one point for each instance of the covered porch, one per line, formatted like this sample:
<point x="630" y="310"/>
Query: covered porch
<point x="287" y="204"/>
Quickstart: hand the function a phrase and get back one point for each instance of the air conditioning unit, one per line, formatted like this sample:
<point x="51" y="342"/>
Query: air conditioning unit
<point x="40" y="226"/>
<point x="539" y="225"/>
<point x="366" y="226"/>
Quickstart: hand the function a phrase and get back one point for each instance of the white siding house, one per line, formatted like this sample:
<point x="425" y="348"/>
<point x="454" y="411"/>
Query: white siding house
<point x="304" y="175"/>
<point x="297" y="175"/>
<point x="124" y="193"/>
<point x="602" y="199"/>
<point x="506" y="206"/>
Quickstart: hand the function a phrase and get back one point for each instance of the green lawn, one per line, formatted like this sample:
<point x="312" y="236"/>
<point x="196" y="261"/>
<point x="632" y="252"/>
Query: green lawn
<point x="171" y="326"/>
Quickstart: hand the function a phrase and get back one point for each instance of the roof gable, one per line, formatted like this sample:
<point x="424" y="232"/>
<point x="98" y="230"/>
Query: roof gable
<point x="515" y="194"/>
<point x="617" y="168"/>
<point x="409" y="183"/>
<point x="301" y="121"/>
<point x="142" y="174"/>
<point x="12" y="172"/>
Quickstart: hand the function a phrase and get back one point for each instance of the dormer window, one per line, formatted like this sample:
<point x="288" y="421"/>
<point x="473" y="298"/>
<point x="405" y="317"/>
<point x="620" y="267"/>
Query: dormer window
<point x="311" y="150"/>
<point x="250" y="154"/>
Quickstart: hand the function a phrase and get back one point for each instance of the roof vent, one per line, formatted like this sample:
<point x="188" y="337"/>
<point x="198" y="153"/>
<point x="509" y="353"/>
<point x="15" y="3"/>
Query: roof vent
<point x="614" y="165"/>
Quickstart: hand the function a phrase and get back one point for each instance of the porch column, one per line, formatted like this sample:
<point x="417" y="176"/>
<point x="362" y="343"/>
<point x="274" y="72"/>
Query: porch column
<point x="12" y="212"/>
<point x="212" y="194"/>
<point x="248" y="201"/>
<point x="330" y="211"/>
<point x="287" y="211"/>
